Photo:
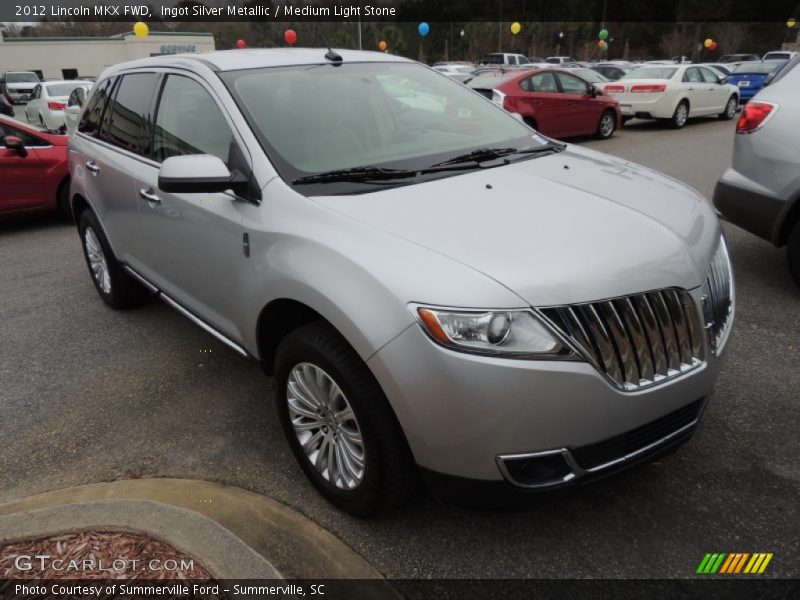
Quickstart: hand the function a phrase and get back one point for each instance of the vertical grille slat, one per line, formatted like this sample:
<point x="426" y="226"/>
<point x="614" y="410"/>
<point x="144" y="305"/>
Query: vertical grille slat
<point x="640" y="342"/>
<point x="721" y="294"/>
<point x="667" y="330"/>
<point x="627" y="355"/>
<point x="636" y="340"/>
<point x="608" y="354"/>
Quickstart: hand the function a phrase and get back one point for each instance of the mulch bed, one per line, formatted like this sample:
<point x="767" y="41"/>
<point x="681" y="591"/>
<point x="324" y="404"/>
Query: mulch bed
<point x="97" y="555"/>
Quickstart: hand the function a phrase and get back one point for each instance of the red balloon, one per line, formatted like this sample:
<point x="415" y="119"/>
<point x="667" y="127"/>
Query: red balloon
<point x="240" y="44"/>
<point x="713" y="46"/>
<point x="290" y="36"/>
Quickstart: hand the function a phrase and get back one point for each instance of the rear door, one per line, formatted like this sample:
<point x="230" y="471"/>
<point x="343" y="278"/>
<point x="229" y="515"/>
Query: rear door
<point x="540" y="101"/>
<point x="190" y="245"/>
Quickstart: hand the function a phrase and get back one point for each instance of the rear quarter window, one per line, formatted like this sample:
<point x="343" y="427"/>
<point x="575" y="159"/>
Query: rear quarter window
<point x="92" y="115"/>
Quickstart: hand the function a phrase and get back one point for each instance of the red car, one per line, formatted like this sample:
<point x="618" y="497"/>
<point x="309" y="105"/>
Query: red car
<point x="34" y="175"/>
<point x="555" y="102"/>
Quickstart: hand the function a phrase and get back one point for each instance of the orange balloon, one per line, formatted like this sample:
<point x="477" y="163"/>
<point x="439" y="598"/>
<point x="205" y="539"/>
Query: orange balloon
<point x="382" y="45"/>
<point x="601" y="44"/>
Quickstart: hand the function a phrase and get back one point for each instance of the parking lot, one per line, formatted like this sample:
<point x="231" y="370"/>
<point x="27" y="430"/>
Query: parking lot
<point x="88" y="394"/>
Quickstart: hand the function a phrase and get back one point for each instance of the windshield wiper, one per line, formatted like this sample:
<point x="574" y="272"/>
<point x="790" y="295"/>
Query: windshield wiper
<point x="357" y="174"/>
<point x="486" y="154"/>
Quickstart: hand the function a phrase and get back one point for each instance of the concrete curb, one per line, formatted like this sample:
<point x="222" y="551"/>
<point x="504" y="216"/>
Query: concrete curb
<point x="216" y="548"/>
<point x="291" y="544"/>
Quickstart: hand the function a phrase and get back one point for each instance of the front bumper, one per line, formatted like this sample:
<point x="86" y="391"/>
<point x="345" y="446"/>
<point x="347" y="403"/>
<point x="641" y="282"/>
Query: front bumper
<point x="18" y="96"/>
<point x="463" y="413"/>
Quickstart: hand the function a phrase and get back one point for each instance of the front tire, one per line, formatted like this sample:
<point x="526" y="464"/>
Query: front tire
<point x="115" y="287"/>
<point x="339" y="424"/>
<point x="680" y="116"/>
<point x="606" y="126"/>
<point x="730" y="108"/>
<point x="793" y="253"/>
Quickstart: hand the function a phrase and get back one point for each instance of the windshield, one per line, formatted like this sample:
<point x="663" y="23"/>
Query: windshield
<point x="22" y="78"/>
<point x="61" y="89"/>
<point x="323" y="118"/>
<point x="759" y="67"/>
<point x="651" y="73"/>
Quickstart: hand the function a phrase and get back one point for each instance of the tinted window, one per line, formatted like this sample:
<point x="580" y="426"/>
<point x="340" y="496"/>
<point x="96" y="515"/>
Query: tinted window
<point x="77" y="97"/>
<point x="572" y="85"/>
<point x="190" y="122"/>
<point x="90" y="120"/>
<point x="129" y="113"/>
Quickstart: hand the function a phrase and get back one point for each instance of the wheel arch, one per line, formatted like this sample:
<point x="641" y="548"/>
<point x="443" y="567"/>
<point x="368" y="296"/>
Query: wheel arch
<point x="787" y="222"/>
<point x="277" y="319"/>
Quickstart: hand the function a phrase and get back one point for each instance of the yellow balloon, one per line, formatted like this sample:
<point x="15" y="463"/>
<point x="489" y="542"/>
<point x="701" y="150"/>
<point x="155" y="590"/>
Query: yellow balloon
<point x="791" y="22"/>
<point x="141" y="30"/>
<point x="516" y="28"/>
<point x="708" y="42"/>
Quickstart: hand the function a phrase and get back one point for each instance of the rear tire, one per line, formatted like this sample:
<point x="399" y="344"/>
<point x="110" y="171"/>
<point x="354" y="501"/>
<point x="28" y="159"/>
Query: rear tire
<point x="793" y="253"/>
<point x="115" y="287"/>
<point x="606" y="126"/>
<point x="377" y="473"/>
<point x="730" y="108"/>
<point x="680" y="116"/>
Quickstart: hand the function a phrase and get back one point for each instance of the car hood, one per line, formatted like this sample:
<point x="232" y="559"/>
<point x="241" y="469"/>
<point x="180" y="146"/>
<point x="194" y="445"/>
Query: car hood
<point x="565" y="228"/>
<point x="22" y="87"/>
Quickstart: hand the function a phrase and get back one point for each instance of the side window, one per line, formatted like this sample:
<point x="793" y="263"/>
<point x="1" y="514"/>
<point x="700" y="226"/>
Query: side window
<point x="189" y="121"/>
<point x="708" y="76"/>
<point x="74" y="99"/>
<point x="512" y="60"/>
<point x="27" y="138"/>
<point x="543" y="82"/>
<point x="692" y="75"/>
<point x="523" y="60"/>
<point x="129" y="113"/>
<point x="572" y="85"/>
<point x="90" y="121"/>
<point x="37" y="92"/>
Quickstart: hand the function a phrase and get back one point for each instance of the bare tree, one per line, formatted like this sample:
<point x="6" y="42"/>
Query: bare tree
<point x="730" y="36"/>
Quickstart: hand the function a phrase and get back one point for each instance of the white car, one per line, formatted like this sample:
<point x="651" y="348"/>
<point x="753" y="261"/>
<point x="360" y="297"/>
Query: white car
<point x="675" y="93"/>
<point x="559" y="60"/>
<point x="780" y="55"/>
<point x="457" y="71"/>
<point x="48" y="101"/>
<point x="75" y="103"/>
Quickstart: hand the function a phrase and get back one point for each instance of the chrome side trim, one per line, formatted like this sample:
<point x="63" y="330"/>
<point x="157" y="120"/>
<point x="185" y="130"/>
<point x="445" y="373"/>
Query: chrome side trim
<point x="197" y="321"/>
<point x="194" y="319"/>
<point x="141" y="280"/>
<point x="577" y="471"/>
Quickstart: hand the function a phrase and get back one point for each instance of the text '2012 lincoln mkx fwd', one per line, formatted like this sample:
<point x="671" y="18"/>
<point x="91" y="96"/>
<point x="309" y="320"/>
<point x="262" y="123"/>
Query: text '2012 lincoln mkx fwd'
<point x="435" y="287"/>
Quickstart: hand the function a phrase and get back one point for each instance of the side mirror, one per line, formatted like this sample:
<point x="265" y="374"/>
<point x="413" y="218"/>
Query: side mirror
<point x="594" y="92"/>
<point x="723" y="80"/>
<point x="12" y="142"/>
<point x="197" y="174"/>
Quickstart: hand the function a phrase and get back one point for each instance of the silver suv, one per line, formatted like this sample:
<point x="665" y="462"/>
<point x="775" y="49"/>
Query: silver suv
<point x="435" y="287"/>
<point x="761" y="190"/>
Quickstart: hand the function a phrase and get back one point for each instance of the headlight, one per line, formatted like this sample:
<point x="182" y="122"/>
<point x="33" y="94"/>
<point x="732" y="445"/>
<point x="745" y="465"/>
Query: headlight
<point x="508" y="333"/>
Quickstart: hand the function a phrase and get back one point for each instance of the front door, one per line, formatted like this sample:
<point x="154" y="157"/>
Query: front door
<point x="190" y="245"/>
<point x="580" y="113"/>
<point x="21" y="177"/>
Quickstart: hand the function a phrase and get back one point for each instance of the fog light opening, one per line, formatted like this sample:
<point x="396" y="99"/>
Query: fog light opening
<point x="536" y="470"/>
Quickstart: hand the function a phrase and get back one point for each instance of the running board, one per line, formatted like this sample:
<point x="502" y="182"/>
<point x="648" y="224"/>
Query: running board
<point x="194" y="319"/>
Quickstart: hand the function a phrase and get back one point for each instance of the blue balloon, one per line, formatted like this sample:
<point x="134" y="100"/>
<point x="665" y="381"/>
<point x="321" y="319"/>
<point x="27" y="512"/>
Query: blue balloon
<point x="424" y="29"/>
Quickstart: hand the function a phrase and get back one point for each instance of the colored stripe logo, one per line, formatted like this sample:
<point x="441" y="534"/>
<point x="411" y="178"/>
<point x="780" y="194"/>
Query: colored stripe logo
<point x="734" y="562"/>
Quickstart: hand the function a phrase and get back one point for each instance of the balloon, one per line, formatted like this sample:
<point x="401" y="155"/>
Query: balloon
<point x="791" y="22"/>
<point x="382" y="45"/>
<point x="516" y="28"/>
<point x="141" y="30"/>
<point x="713" y="46"/>
<point x="290" y="36"/>
<point x="603" y="34"/>
<point x="240" y="44"/>
<point x="602" y="44"/>
<point x="424" y="29"/>
<point x="708" y="42"/>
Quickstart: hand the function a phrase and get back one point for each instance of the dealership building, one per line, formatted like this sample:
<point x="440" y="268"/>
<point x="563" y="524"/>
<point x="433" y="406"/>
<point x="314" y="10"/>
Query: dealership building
<point x="74" y="57"/>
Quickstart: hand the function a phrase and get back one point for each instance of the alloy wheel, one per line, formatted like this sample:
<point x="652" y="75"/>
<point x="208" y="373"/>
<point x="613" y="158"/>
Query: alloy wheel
<point x="325" y="426"/>
<point x="97" y="260"/>
<point x="730" y="110"/>
<point x="680" y="115"/>
<point x="606" y="125"/>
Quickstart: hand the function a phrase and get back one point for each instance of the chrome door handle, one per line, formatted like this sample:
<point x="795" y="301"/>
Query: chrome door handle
<point x="92" y="166"/>
<point x="149" y="196"/>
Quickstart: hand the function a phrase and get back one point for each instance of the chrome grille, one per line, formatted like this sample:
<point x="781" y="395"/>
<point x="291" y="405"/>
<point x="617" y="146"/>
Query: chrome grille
<point x="636" y="340"/>
<point x="719" y="305"/>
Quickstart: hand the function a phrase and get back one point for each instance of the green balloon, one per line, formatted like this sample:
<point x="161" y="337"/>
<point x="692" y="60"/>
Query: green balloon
<point x="603" y="34"/>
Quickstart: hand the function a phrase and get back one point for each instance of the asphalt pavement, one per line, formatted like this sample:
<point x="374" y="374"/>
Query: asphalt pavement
<point x="88" y="394"/>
